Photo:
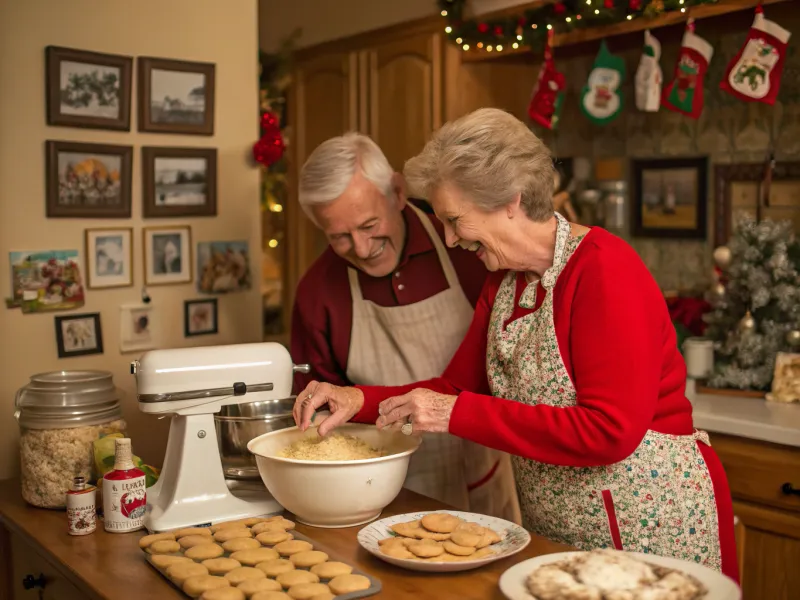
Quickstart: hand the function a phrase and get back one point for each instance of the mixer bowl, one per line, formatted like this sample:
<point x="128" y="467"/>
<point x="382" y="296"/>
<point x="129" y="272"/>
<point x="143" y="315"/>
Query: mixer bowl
<point x="237" y="424"/>
<point x="335" y="493"/>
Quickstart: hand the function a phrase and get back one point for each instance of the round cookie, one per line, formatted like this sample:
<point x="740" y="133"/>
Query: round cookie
<point x="197" y="585"/>
<point x="163" y="561"/>
<point x="309" y="558"/>
<point x="331" y="569"/>
<point x="407" y="529"/>
<point x="273" y="568"/>
<point x="237" y="544"/>
<point x="204" y="552"/>
<point x="489" y="537"/>
<point x="145" y="541"/>
<point x="397" y="551"/>
<point x="426" y="548"/>
<point x="231" y="533"/>
<point x="240" y="574"/>
<point x="324" y="596"/>
<point x="467" y="534"/>
<point x="189" y="541"/>
<point x="252" y="557"/>
<point x="272" y="537"/>
<point x="220" y="566"/>
<point x="191" y="531"/>
<point x="164" y="547"/>
<point x="440" y="522"/>
<point x="237" y="523"/>
<point x="223" y="593"/>
<point x="306" y="591"/>
<point x="180" y="572"/>
<point x="344" y="584"/>
<point x="292" y="547"/>
<point x="424" y="534"/>
<point x="251" y="586"/>
<point x="249" y="522"/>
<point x="295" y="577"/>
<point x="271" y="596"/>
<point x="454" y="548"/>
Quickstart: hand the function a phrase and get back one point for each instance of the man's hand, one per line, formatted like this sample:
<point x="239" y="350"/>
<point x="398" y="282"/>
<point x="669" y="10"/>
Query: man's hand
<point x="343" y="403"/>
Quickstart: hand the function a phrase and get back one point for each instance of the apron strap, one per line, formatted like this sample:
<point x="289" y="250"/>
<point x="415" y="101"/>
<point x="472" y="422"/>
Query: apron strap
<point x="441" y="251"/>
<point x="559" y="255"/>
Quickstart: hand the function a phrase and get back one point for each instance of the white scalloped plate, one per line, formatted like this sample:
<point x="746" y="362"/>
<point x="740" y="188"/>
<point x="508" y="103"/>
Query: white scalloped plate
<point x="514" y="539"/>
<point x="720" y="587"/>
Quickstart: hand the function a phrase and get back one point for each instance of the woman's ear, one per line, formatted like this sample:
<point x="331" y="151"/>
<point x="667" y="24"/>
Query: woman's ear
<point x="514" y="207"/>
<point x="399" y="189"/>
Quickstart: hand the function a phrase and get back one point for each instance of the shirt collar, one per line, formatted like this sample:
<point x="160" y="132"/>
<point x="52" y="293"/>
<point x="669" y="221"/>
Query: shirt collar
<point x="417" y="239"/>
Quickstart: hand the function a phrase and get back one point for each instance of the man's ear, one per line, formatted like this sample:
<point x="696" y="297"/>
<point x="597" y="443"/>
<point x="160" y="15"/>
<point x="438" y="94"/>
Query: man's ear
<point x="399" y="189"/>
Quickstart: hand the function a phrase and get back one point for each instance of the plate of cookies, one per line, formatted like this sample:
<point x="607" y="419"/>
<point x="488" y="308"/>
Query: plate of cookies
<point x="442" y="541"/>
<point x="253" y="559"/>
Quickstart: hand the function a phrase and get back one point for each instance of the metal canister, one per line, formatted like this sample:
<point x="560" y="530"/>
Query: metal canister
<point x="615" y="201"/>
<point x="81" y="504"/>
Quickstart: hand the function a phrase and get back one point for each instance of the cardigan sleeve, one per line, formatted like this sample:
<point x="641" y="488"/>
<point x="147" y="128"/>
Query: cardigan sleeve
<point x="615" y="343"/>
<point x="466" y="370"/>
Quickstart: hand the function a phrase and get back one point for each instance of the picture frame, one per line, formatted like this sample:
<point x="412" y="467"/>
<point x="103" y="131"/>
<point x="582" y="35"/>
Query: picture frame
<point x="138" y="329"/>
<point x="88" y="89"/>
<point x="88" y="181"/>
<point x="223" y="267"/>
<point x="167" y="255"/>
<point x="179" y="182"/>
<point x="109" y="257"/>
<point x="730" y="191"/>
<point x="669" y="197"/>
<point x="176" y="96"/>
<point x="45" y="280"/>
<point x="78" y="335"/>
<point x="200" y="317"/>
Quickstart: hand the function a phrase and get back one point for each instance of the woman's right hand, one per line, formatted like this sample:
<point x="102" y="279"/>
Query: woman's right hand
<point x="343" y="404"/>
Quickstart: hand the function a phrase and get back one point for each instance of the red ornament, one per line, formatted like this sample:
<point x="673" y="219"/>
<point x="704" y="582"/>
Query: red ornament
<point x="483" y="27"/>
<point x="498" y="30"/>
<point x="608" y="3"/>
<point x="559" y="8"/>
<point x="269" y="149"/>
<point x="635" y="4"/>
<point x="269" y="121"/>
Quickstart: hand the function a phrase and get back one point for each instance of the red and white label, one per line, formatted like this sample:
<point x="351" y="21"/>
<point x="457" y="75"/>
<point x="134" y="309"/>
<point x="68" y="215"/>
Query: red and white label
<point x="124" y="503"/>
<point x="81" y="512"/>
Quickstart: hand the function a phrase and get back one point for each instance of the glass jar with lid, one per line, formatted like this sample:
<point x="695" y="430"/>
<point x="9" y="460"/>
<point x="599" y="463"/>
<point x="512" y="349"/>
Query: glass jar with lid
<point x="60" y="414"/>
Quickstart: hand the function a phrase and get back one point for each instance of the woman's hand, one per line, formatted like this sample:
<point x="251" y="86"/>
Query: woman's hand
<point x="343" y="402"/>
<point x="426" y="410"/>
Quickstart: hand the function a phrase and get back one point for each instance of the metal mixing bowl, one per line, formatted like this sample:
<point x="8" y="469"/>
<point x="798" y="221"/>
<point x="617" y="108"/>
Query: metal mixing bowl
<point x="237" y="424"/>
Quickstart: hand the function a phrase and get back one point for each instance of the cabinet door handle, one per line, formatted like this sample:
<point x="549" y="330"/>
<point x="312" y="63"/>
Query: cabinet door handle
<point x="29" y="581"/>
<point x="787" y="489"/>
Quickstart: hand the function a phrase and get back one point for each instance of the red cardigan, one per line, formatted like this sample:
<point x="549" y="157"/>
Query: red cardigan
<point x="620" y="349"/>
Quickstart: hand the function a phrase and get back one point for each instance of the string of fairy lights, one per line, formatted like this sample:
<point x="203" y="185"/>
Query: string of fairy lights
<point x="530" y="27"/>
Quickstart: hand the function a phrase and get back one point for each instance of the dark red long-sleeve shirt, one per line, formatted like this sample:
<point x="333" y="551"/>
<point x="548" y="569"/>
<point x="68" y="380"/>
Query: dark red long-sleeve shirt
<point x="323" y="311"/>
<point x="619" y="347"/>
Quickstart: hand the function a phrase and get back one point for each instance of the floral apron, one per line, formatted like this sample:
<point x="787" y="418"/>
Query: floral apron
<point x="659" y="500"/>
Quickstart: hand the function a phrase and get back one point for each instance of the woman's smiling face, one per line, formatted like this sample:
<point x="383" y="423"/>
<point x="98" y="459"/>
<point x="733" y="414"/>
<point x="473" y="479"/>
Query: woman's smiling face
<point x="473" y="228"/>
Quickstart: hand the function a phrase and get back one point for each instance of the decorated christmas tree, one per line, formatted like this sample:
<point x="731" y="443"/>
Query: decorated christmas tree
<point x="756" y="303"/>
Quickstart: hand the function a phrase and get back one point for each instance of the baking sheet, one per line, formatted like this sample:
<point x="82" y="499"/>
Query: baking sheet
<point x="375" y="583"/>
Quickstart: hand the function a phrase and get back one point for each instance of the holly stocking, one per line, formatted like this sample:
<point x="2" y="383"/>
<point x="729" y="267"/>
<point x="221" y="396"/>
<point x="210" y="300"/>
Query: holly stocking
<point x="754" y="74"/>
<point x="685" y="93"/>
<point x="548" y="94"/>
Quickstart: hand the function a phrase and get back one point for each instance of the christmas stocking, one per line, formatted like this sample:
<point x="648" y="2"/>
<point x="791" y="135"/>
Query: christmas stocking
<point x="685" y="93"/>
<point x="601" y="100"/>
<point x="754" y="74"/>
<point x="548" y="94"/>
<point x="649" y="76"/>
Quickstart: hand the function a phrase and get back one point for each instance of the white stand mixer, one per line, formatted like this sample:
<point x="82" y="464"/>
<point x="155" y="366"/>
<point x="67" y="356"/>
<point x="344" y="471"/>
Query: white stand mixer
<point x="190" y="385"/>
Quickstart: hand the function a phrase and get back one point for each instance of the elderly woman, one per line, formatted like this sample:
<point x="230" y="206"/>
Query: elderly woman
<point x="570" y="364"/>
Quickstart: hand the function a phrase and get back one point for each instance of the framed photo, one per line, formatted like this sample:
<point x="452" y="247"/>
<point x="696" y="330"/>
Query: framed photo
<point x="176" y="96"/>
<point x="88" y="89"/>
<point x="669" y="198"/>
<point x="738" y="188"/>
<point x="45" y="280"/>
<point x="109" y="258"/>
<point x="167" y="255"/>
<point x="79" y="335"/>
<point x="137" y="327"/>
<point x="200" y="317"/>
<point x="179" y="182"/>
<point x="223" y="267"/>
<point x="88" y="181"/>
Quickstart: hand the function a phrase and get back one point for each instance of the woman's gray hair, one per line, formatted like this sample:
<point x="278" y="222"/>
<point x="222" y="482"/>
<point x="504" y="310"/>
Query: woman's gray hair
<point x="491" y="156"/>
<point x="331" y="166"/>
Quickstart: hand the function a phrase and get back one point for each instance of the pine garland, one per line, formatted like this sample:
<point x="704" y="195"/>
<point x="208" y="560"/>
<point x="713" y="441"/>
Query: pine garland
<point x="530" y="27"/>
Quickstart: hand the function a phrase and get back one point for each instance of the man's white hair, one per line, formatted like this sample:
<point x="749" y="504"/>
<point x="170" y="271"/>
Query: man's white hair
<point x="331" y="166"/>
<point x="491" y="156"/>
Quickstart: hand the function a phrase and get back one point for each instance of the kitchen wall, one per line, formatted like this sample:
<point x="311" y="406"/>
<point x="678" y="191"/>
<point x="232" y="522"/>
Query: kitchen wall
<point x="217" y="31"/>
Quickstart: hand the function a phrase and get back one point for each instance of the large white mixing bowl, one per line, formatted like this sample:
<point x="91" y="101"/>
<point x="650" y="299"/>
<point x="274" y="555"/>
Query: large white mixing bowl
<point x="334" y="493"/>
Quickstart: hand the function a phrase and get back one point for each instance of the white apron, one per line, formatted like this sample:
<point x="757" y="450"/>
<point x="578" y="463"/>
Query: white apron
<point x="659" y="500"/>
<point x="398" y="345"/>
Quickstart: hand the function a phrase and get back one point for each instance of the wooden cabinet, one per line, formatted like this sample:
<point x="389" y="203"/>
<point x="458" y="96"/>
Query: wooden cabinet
<point x="387" y="84"/>
<point x="768" y="532"/>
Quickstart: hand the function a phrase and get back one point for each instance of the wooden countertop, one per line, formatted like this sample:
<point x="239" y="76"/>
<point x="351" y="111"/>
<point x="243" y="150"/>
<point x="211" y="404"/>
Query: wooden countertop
<point x="111" y="566"/>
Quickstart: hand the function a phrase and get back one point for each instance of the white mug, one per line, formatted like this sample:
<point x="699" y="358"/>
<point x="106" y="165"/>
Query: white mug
<point x="699" y="356"/>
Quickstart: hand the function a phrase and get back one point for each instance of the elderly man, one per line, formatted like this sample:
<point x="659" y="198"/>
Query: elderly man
<point x="388" y="303"/>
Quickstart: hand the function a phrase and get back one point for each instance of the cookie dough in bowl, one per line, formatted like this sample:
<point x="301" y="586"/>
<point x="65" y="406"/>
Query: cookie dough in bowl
<point x="334" y="485"/>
